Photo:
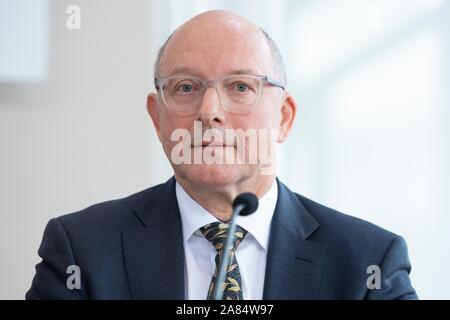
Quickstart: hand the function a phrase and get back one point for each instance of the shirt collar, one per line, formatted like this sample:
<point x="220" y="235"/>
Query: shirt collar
<point x="194" y="216"/>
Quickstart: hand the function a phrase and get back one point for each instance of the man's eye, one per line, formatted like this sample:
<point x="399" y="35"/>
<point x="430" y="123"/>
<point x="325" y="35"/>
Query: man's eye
<point x="241" y="87"/>
<point x="185" y="88"/>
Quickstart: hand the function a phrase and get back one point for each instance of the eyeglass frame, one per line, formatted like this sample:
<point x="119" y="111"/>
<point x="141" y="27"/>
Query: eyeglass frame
<point x="213" y="83"/>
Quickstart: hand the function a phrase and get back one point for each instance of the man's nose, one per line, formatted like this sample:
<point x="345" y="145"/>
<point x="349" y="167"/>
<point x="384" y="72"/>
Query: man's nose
<point x="211" y="111"/>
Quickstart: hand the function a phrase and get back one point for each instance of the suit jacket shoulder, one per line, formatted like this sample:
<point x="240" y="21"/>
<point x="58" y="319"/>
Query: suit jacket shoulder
<point x="346" y="230"/>
<point x="118" y="212"/>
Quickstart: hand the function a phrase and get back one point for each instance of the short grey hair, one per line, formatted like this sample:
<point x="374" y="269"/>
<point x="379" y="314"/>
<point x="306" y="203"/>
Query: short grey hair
<point x="277" y="58"/>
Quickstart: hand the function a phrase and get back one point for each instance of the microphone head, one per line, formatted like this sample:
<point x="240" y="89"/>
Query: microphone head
<point x="248" y="200"/>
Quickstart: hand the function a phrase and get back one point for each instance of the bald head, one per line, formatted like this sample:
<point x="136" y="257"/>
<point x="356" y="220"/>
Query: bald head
<point x="212" y="30"/>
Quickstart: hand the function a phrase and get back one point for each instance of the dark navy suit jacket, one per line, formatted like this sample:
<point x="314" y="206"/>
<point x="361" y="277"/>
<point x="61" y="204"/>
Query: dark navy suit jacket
<point x="132" y="248"/>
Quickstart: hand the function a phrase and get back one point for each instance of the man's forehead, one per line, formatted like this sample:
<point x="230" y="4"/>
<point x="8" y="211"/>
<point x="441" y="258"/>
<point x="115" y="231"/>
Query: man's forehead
<point x="221" y="58"/>
<point x="207" y="41"/>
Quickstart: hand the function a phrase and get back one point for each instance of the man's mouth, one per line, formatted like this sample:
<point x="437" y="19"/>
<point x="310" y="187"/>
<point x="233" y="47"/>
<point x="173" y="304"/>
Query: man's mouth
<point x="205" y="144"/>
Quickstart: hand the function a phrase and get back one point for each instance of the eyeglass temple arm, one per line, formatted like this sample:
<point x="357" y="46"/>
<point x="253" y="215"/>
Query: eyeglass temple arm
<point x="274" y="83"/>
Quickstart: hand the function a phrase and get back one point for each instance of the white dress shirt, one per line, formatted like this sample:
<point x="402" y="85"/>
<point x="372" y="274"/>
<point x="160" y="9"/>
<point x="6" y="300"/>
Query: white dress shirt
<point x="251" y="254"/>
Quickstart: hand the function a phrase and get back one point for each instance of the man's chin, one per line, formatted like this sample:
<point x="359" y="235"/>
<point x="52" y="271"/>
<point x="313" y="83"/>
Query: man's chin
<point x="210" y="176"/>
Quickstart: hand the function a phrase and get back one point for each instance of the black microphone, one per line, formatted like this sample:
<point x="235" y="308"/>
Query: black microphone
<point x="244" y="205"/>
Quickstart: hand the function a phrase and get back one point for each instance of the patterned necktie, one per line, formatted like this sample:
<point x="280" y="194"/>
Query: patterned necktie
<point x="216" y="233"/>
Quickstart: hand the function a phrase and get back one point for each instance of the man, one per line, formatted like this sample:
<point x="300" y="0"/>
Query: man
<point x="219" y="72"/>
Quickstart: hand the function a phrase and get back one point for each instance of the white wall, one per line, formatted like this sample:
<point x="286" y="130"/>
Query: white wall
<point x="81" y="136"/>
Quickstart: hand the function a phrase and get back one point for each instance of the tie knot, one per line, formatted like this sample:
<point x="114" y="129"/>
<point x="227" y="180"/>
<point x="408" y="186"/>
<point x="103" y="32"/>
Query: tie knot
<point x="216" y="233"/>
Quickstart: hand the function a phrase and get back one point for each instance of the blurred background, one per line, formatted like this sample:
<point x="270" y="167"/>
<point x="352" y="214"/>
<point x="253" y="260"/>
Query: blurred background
<point x="371" y="78"/>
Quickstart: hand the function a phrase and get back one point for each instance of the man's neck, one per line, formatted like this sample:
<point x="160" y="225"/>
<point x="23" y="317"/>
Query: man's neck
<point x="218" y="201"/>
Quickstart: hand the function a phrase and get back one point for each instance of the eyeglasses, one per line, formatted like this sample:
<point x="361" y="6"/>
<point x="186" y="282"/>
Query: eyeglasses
<point x="237" y="93"/>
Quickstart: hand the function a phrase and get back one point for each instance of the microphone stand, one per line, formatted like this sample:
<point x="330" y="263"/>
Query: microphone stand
<point x="218" y="289"/>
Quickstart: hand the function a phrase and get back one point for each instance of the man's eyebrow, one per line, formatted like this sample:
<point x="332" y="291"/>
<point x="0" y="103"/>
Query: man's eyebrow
<point x="187" y="70"/>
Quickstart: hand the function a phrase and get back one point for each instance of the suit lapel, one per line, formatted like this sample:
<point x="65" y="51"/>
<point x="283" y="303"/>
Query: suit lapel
<point x="154" y="254"/>
<point x="294" y="263"/>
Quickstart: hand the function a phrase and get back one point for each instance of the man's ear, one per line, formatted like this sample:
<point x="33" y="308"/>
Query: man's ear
<point x="152" y="109"/>
<point x="288" y="113"/>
